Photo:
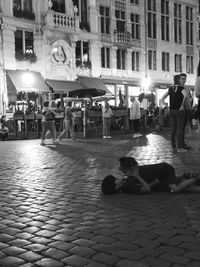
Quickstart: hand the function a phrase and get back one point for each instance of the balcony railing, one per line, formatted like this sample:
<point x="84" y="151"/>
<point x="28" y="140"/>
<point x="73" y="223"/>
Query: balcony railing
<point x="120" y="5"/>
<point x="61" y="20"/>
<point x="122" y="37"/>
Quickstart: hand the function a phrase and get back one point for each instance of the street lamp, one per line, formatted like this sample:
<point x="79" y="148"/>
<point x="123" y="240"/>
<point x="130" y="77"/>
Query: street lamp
<point x="145" y="83"/>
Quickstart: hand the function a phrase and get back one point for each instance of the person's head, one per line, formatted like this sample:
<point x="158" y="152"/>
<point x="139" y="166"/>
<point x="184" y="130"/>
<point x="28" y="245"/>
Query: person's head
<point x="128" y="166"/>
<point x="69" y="103"/>
<point x="52" y="104"/>
<point x="111" y="184"/>
<point x="183" y="77"/>
<point x="177" y="79"/>
<point x="46" y="104"/>
<point x="3" y="118"/>
<point x="132" y="98"/>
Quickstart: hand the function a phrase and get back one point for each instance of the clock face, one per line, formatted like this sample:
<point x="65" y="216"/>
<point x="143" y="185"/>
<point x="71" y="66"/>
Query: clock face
<point x="59" y="54"/>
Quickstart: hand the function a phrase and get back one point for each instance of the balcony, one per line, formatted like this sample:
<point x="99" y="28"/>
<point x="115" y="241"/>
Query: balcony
<point x="122" y="37"/>
<point x="61" y="20"/>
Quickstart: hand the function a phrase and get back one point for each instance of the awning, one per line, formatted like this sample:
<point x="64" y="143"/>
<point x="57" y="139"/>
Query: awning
<point x="59" y="86"/>
<point x="92" y="83"/>
<point x="27" y="81"/>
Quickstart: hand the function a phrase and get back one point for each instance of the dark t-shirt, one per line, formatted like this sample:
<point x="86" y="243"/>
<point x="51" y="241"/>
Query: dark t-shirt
<point x="175" y="97"/>
<point x="164" y="172"/>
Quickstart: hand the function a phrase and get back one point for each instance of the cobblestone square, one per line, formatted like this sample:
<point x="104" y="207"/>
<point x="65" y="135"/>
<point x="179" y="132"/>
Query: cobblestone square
<point x="52" y="211"/>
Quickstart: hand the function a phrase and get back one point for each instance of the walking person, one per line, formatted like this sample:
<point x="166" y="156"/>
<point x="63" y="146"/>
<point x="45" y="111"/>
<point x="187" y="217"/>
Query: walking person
<point x="177" y="97"/>
<point x="197" y="91"/>
<point x="107" y="115"/>
<point x="48" y="122"/>
<point x="68" y="128"/>
<point x="188" y="109"/>
<point x="135" y="117"/>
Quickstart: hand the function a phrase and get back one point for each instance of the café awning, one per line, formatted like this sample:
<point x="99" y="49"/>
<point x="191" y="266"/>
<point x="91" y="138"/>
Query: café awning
<point x="92" y="83"/>
<point x="27" y="81"/>
<point x="59" y="86"/>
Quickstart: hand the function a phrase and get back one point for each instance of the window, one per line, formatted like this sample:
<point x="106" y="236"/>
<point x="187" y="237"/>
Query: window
<point x="199" y="31"/>
<point x="120" y="20"/>
<point x="165" y="61"/>
<point x="121" y="59"/>
<point x="135" y="2"/>
<point x="165" y="20"/>
<point x="198" y="8"/>
<point x="152" y="60"/>
<point x="105" y="57"/>
<point x="151" y="18"/>
<point x="23" y="9"/>
<point x="58" y="5"/>
<point x="178" y="63"/>
<point x="189" y="25"/>
<point x="105" y="19"/>
<point x="177" y="24"/>
<point x="189" y="64"/>
<point x="20" y="5"/>
<point x="135" y="61"/>
<point x="23" y="42"/>
<point x="135" y="20"/>
<point x="82" y="53"/>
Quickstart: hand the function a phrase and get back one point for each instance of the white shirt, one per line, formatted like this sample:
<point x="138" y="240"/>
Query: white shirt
<point x="135" y="110"/>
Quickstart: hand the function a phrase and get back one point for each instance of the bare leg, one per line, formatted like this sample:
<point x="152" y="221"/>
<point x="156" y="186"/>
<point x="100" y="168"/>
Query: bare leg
<point x="182" y="186"/>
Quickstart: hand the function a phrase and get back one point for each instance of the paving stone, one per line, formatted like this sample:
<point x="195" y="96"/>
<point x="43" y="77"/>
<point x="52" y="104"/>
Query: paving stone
<point x="11" y="261"/>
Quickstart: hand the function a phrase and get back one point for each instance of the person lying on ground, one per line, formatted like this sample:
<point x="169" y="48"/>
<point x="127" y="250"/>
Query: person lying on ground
<point x="158" y="177"/>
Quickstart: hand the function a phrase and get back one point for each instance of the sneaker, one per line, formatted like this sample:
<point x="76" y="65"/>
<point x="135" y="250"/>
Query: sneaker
<point x="174" y="150"/>
<point x="109" y="137"/>
<point x="187" y="147"/>
<point x="104" y="137"/>
<point x="42" y="143"/>
<point x="181" y="150"/>
<point x="55" y="142"/>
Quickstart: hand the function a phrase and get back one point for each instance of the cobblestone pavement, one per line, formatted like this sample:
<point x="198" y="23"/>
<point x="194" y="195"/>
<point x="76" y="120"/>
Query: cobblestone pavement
<point x="52" y="211"/>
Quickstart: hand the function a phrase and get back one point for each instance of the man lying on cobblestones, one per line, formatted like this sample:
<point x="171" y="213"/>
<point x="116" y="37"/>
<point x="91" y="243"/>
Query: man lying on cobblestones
<point x="158" y="177"/>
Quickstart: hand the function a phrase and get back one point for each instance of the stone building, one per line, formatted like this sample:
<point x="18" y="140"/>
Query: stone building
<point x="122" y="43"/>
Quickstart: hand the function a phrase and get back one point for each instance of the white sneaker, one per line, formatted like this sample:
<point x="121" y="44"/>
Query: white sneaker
<point x="109" y="137"/>
<point x="181" y="150"/>
<point x="104" y="137"/>
<point x="55" y="142"/>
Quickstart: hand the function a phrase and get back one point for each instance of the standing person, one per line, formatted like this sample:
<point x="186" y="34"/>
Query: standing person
<point x="177" y="97"/>
<point x="188" y="108"/>
<point x="197" y="90"/>
<point x="67" y="122"/>
<point x="48" y="122"/>
<point x="3" y="128"/>
<point x="135" y="117"/>
<point x="106" y="114"/>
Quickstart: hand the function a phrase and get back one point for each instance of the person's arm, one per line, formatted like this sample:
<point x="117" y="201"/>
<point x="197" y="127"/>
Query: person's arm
<point x="197" y="87"/>
<point x="184" y="97"/>
<point x="145" y="188"/>
<point x="162" y="101"/>
<point x="155" y="182"/>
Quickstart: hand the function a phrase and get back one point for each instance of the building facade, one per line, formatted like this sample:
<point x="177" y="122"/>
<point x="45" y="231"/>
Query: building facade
<point x="125" y="43"/>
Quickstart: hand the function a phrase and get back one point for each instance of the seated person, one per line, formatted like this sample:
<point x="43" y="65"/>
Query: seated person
<point x="3" y="128"/>
<point x="158" y="177"/>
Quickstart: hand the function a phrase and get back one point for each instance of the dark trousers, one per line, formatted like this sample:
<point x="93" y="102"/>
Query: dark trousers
<point x="135" y="125"/>
<point x="177" y="118"/>
<point x="188" y="119"/>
